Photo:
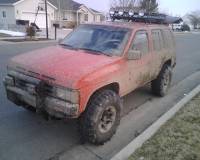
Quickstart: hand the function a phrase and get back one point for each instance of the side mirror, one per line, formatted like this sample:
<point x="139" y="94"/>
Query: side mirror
<point x="134" y="55"/>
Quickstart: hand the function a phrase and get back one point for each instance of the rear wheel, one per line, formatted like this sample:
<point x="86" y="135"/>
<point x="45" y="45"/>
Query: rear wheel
<point x="160" y="86"/>
<point x="100" y="120"/>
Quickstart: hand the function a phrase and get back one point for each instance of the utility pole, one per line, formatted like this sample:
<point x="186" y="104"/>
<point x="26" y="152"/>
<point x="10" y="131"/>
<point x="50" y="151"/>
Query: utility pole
<point x="47" y="30"/>
<point x="59" y="12"/>
<point x="149" y="6"/>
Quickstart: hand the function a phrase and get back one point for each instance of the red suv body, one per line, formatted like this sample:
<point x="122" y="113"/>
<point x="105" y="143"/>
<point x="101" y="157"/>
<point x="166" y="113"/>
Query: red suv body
<point x="65" y="80"/>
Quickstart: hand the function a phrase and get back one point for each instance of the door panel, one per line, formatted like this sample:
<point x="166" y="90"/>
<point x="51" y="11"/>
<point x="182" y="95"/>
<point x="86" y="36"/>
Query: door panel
<point x="159" y="50"/>
<point x="139" y="70"/>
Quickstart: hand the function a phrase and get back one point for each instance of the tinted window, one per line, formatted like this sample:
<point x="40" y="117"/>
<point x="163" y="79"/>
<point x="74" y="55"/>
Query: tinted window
<point x="141" y="42"/>
<point x="158" y="42"/>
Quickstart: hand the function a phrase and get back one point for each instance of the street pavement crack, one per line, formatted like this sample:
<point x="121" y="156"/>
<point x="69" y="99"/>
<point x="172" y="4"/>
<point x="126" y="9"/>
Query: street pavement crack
<point x="93" y="153"/>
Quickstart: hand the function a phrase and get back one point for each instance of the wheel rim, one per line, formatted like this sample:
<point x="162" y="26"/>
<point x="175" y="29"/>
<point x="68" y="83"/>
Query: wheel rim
<point x="107" y="119"/>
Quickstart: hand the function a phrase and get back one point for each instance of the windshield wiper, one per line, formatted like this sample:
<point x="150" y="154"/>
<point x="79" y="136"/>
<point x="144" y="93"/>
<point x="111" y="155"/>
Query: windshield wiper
<point x="94" y="50"/>
<point x="68" y="46"/>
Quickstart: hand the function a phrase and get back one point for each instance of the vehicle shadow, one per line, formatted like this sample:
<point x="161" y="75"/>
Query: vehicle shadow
<point x="24" y="133"/>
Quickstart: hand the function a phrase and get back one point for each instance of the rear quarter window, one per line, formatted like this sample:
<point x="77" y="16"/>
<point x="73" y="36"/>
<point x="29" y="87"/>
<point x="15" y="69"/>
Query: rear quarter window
<point x="168" y="38"/>
<point x="158" y="40"/>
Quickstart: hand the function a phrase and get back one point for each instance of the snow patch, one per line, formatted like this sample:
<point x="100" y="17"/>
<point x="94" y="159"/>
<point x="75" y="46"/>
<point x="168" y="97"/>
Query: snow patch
<point x="13" y="33"/>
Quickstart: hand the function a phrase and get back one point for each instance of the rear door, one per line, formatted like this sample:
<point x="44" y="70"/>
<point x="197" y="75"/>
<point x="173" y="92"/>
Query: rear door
<point x="170" y="44"/>
<point x="159" y="50"/>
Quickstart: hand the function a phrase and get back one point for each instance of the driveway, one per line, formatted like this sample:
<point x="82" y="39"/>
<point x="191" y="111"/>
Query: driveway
<point x="24" y="135"/>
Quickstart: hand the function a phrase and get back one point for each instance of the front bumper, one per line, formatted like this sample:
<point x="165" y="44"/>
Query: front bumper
<point x="27" y="97"/>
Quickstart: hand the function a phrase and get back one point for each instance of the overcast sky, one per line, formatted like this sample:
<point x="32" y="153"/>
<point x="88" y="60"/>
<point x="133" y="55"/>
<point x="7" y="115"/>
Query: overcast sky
<point x="175" y="7"/>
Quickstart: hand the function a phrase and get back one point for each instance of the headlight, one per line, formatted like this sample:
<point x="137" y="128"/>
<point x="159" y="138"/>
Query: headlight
<point x="66" y="94"/>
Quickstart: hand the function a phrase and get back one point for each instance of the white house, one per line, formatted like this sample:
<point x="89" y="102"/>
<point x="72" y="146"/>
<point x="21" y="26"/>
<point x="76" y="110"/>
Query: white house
<point x="13" y="10"/>
<point x="71" y="11"/>
<point x="62" y="11"/>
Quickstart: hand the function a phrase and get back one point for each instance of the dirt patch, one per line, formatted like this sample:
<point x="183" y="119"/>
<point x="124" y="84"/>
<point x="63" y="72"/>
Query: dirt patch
<point x="178" y="139"/>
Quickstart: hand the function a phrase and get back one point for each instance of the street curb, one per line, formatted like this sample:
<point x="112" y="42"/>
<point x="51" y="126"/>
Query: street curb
<point x="127" y="151"/>
<point x="28" y="42"/>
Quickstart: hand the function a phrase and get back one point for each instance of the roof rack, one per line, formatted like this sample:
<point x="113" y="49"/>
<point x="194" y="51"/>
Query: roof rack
<point x="144" y="17"/>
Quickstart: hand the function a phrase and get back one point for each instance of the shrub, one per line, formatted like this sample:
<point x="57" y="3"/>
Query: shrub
<point x="71" y="25"/>
<point x="30" y="31"/>
<point x="185" y="27"/>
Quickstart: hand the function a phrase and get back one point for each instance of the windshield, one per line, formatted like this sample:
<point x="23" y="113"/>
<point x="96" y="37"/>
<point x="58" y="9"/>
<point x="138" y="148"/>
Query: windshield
<point x="99" y="39"/>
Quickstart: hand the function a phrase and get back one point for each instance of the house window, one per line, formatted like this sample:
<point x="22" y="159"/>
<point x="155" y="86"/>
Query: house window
<point x="4" y="14"/>
<point x="86" y="17"/>
<point x="65" y="16"/>
<point x="41" y="7"/>
<point x="94" y="18"/>
<point x="158" y="41"/>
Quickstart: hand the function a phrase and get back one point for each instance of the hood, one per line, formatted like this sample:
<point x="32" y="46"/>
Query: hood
<point x="59" y="65"/>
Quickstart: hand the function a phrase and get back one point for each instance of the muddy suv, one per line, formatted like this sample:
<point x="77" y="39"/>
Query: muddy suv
<point x="86" y="75"/>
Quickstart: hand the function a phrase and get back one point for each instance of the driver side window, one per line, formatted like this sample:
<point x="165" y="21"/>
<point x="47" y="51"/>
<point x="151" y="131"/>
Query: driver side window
<point x="140" y="42"/>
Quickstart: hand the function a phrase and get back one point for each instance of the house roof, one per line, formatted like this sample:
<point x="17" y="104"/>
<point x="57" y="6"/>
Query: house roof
<point x="8" y="1"/>
<point x="95" y="11"/>
<point x="66" y="4"/>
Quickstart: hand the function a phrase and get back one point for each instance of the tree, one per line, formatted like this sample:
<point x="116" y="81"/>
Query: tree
<point x="123" y="4"/>
<point x="149" y="6"/>
<point x="185" y="27"/>
<point x="30" y="31"/>
<point x="194" y="19"/>
<point x="146" y="5"/>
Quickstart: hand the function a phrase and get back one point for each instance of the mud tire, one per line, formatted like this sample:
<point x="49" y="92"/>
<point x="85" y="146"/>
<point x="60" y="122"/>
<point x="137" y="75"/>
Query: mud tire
<point x="161" y="84"/>
<point x="90" y="120"/>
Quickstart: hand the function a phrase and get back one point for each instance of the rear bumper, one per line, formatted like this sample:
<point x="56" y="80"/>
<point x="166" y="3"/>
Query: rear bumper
<point x="52" y="106"/>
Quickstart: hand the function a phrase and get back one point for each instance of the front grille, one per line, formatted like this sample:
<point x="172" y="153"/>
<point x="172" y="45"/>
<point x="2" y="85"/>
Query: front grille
<point x="20" y="83"/>
<point x="25" y="85"/>
<point x="48" y="89"/>
<point x="30" y="84"/>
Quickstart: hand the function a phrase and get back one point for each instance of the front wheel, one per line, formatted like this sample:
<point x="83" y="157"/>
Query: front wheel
<point x="102" y="117"/>
<point x="160" y="86"/>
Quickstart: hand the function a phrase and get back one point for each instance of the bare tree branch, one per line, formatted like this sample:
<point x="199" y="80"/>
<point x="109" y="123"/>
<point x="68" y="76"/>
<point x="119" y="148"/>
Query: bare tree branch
<point x="147" y="5"/>
<point x="124" y="4"/>
<point x="194" y="18"/>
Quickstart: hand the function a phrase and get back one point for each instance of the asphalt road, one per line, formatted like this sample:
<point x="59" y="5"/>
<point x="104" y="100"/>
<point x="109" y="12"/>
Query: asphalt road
<point x="27" y="136"/>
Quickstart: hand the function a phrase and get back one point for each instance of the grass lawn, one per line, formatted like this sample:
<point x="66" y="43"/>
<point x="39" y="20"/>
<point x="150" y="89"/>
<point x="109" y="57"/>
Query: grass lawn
<point x="178" y="139"/>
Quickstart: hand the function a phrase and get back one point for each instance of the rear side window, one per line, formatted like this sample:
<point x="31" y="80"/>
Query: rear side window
<point x="158" y="41"/>
<point x="140" y="42"/>
<point x="168" y="38"/>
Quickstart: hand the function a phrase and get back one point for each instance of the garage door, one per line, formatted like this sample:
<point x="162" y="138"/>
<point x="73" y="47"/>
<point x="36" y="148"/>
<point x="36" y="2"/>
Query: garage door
<point x="40" y="20"/>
